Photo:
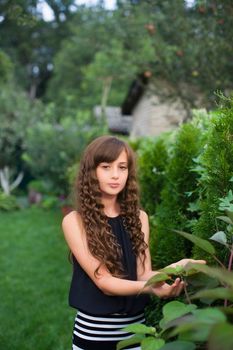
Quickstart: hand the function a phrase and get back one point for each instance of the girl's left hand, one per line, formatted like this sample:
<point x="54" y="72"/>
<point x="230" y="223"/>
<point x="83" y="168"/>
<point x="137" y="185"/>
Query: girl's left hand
<point x="184" y="262"/>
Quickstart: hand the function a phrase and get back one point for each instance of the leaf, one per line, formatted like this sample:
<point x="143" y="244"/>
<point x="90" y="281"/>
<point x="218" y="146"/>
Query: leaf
<point x="195" y="206"/>
<point x="209" y="315"/>
<point x="199" y="242"/>
<point x="225" y="219"/>
<point x="220" y="237"/>
<point x="221" y="274"/>
<point x="179" y="345"/>
<point x="220" y="337"/>
<point x="174" y="310"/>
<point x="135" y="339"/>
<point x="200" y="280"/>
<point x="198" y="328"/>
<point x="225" y="202"/>
<point x="152" y="343"/>
<point x="230" y="214"/>
<point x="172" y="270"/>
<point x="216" y="293"/>
<point x="140" y="329"/>
<point x="159" y="277"/>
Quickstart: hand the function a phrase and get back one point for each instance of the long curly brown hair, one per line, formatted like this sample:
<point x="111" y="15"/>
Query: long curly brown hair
<point x="101" y="241"/>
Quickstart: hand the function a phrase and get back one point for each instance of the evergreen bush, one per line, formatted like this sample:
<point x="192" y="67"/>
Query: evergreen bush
<point x="152" y="160"/>
<point x="216" y="174"/>
<point x="172" y="212"/>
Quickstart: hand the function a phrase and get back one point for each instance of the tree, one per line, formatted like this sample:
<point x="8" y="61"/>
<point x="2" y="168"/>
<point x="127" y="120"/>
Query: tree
<point x="31" y="42"/>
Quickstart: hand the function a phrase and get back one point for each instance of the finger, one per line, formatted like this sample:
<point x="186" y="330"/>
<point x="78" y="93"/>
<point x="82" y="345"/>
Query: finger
<point x="198" y="261"/>
<point x="175" y="287"/>
<point x="180" y="288"/>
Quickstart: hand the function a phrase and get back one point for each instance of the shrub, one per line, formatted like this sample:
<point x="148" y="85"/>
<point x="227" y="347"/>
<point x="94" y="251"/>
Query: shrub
<point x="8" y="202"/>
<point x="215" y="170"/>
<point x="172" y="211"/>
<point x="152" y="160"/>
<point x="52" y="148"/>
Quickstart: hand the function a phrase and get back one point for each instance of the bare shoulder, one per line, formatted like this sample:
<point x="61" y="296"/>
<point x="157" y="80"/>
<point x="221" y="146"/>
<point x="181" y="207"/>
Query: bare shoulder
<point x="145" y="224"/>
<point x="72" y="220"/>
<point x="143" y="216"/>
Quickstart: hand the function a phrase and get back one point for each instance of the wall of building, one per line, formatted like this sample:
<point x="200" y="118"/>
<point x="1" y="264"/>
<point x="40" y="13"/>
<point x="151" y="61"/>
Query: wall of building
<point x="154" y="114"/>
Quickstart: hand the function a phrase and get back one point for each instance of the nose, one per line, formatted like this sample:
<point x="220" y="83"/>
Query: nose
<point x="115" y="173"/>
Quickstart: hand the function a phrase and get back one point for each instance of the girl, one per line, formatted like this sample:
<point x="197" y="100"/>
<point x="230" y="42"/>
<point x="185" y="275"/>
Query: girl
<point x="108" y="236"/>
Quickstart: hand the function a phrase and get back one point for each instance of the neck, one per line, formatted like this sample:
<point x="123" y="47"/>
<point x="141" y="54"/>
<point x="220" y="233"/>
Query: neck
<point x="111" y="206"/>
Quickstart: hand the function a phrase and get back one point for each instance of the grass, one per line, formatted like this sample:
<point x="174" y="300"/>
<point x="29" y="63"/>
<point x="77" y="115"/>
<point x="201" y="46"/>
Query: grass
<point x="34" y="282"/>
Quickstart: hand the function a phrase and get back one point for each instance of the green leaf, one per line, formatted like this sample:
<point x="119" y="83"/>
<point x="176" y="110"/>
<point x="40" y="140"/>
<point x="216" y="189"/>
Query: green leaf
<point x="199" y="242"/>
<point x="140" y="329"/>
<point x="221" y="274"/>
<point x="201" y="280"/>
<point x="209" y="315"/>
<point x="225" y="202"/>
<point x="179" y="345"/>
<point x="135" y="339"/>
<point x="172" y="270"/>
<point x="216" y="293"/>
<point x="159" y="277"/>
<point x="220" y="237"/>
<point x="225" y="219"/>
<point x="175" y="309"/>
<point x="152" y="343"/>
<point x="220" y="337"/>
<point x="230" y="214"/>
<point x="199" y="326"/>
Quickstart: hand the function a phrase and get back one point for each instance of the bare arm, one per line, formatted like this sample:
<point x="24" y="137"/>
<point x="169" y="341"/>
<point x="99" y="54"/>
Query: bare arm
<point x="75" y="237"/>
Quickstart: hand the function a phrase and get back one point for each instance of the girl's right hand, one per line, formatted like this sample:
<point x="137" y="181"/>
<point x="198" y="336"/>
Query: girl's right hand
<point x="165" y="290"/>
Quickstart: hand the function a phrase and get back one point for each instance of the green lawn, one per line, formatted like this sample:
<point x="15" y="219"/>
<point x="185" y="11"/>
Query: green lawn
<point x="34" y="282"/>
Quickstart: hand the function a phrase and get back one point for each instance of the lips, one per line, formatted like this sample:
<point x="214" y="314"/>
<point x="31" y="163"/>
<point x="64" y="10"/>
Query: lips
<point x="114" y="185"/>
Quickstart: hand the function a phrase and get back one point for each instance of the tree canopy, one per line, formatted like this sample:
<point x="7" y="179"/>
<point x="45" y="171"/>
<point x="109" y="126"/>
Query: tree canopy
<point x="90" y="54"/>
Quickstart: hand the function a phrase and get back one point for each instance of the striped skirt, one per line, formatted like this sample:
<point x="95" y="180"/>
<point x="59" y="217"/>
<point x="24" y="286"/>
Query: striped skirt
<point x="102" y="332"/>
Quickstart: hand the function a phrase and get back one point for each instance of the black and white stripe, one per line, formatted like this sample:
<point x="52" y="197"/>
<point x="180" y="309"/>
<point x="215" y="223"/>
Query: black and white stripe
<point x="95" y="329"/>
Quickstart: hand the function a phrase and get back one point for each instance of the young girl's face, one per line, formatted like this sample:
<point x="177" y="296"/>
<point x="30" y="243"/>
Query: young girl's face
<point x="112" y="177"/>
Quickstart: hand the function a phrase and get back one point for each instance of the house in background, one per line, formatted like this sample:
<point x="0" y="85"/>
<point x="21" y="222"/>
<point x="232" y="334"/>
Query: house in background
<point x="148" y="110"/>
<point x="117" y="123"/>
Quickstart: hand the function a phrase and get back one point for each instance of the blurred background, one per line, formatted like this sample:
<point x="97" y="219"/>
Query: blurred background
<point x="148" y="71"/>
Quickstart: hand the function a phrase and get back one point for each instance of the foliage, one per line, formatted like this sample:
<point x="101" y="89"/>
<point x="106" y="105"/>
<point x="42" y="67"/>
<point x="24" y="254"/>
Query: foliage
<point x="6" y="67"/>
<point x="186" y="198"/>
<point x="135" y="38"/>
<point x="36" y="40"/>
<point x="52" y="148"/>
<point x="17" y="113"/>
<point x="172" y="211"/>
<point x="41" y="186"/>
<point x="187" y="322"/>
<point x="8" y="202"/>
<point x="152" y="160"/>
<point x="215" y="169"/>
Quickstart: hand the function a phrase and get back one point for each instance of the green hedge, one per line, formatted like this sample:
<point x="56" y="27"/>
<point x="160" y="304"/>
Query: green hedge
<point x="182" y="176"/>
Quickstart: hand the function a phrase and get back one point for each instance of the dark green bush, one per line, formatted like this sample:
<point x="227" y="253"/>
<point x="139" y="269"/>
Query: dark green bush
<point x="152" y="160"/>
<point x="216" y="164"/>
<point x="172" y="212"/>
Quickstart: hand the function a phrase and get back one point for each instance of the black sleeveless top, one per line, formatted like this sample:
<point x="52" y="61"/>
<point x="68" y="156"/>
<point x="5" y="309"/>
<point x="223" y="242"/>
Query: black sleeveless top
<point x="85" y="296"/>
